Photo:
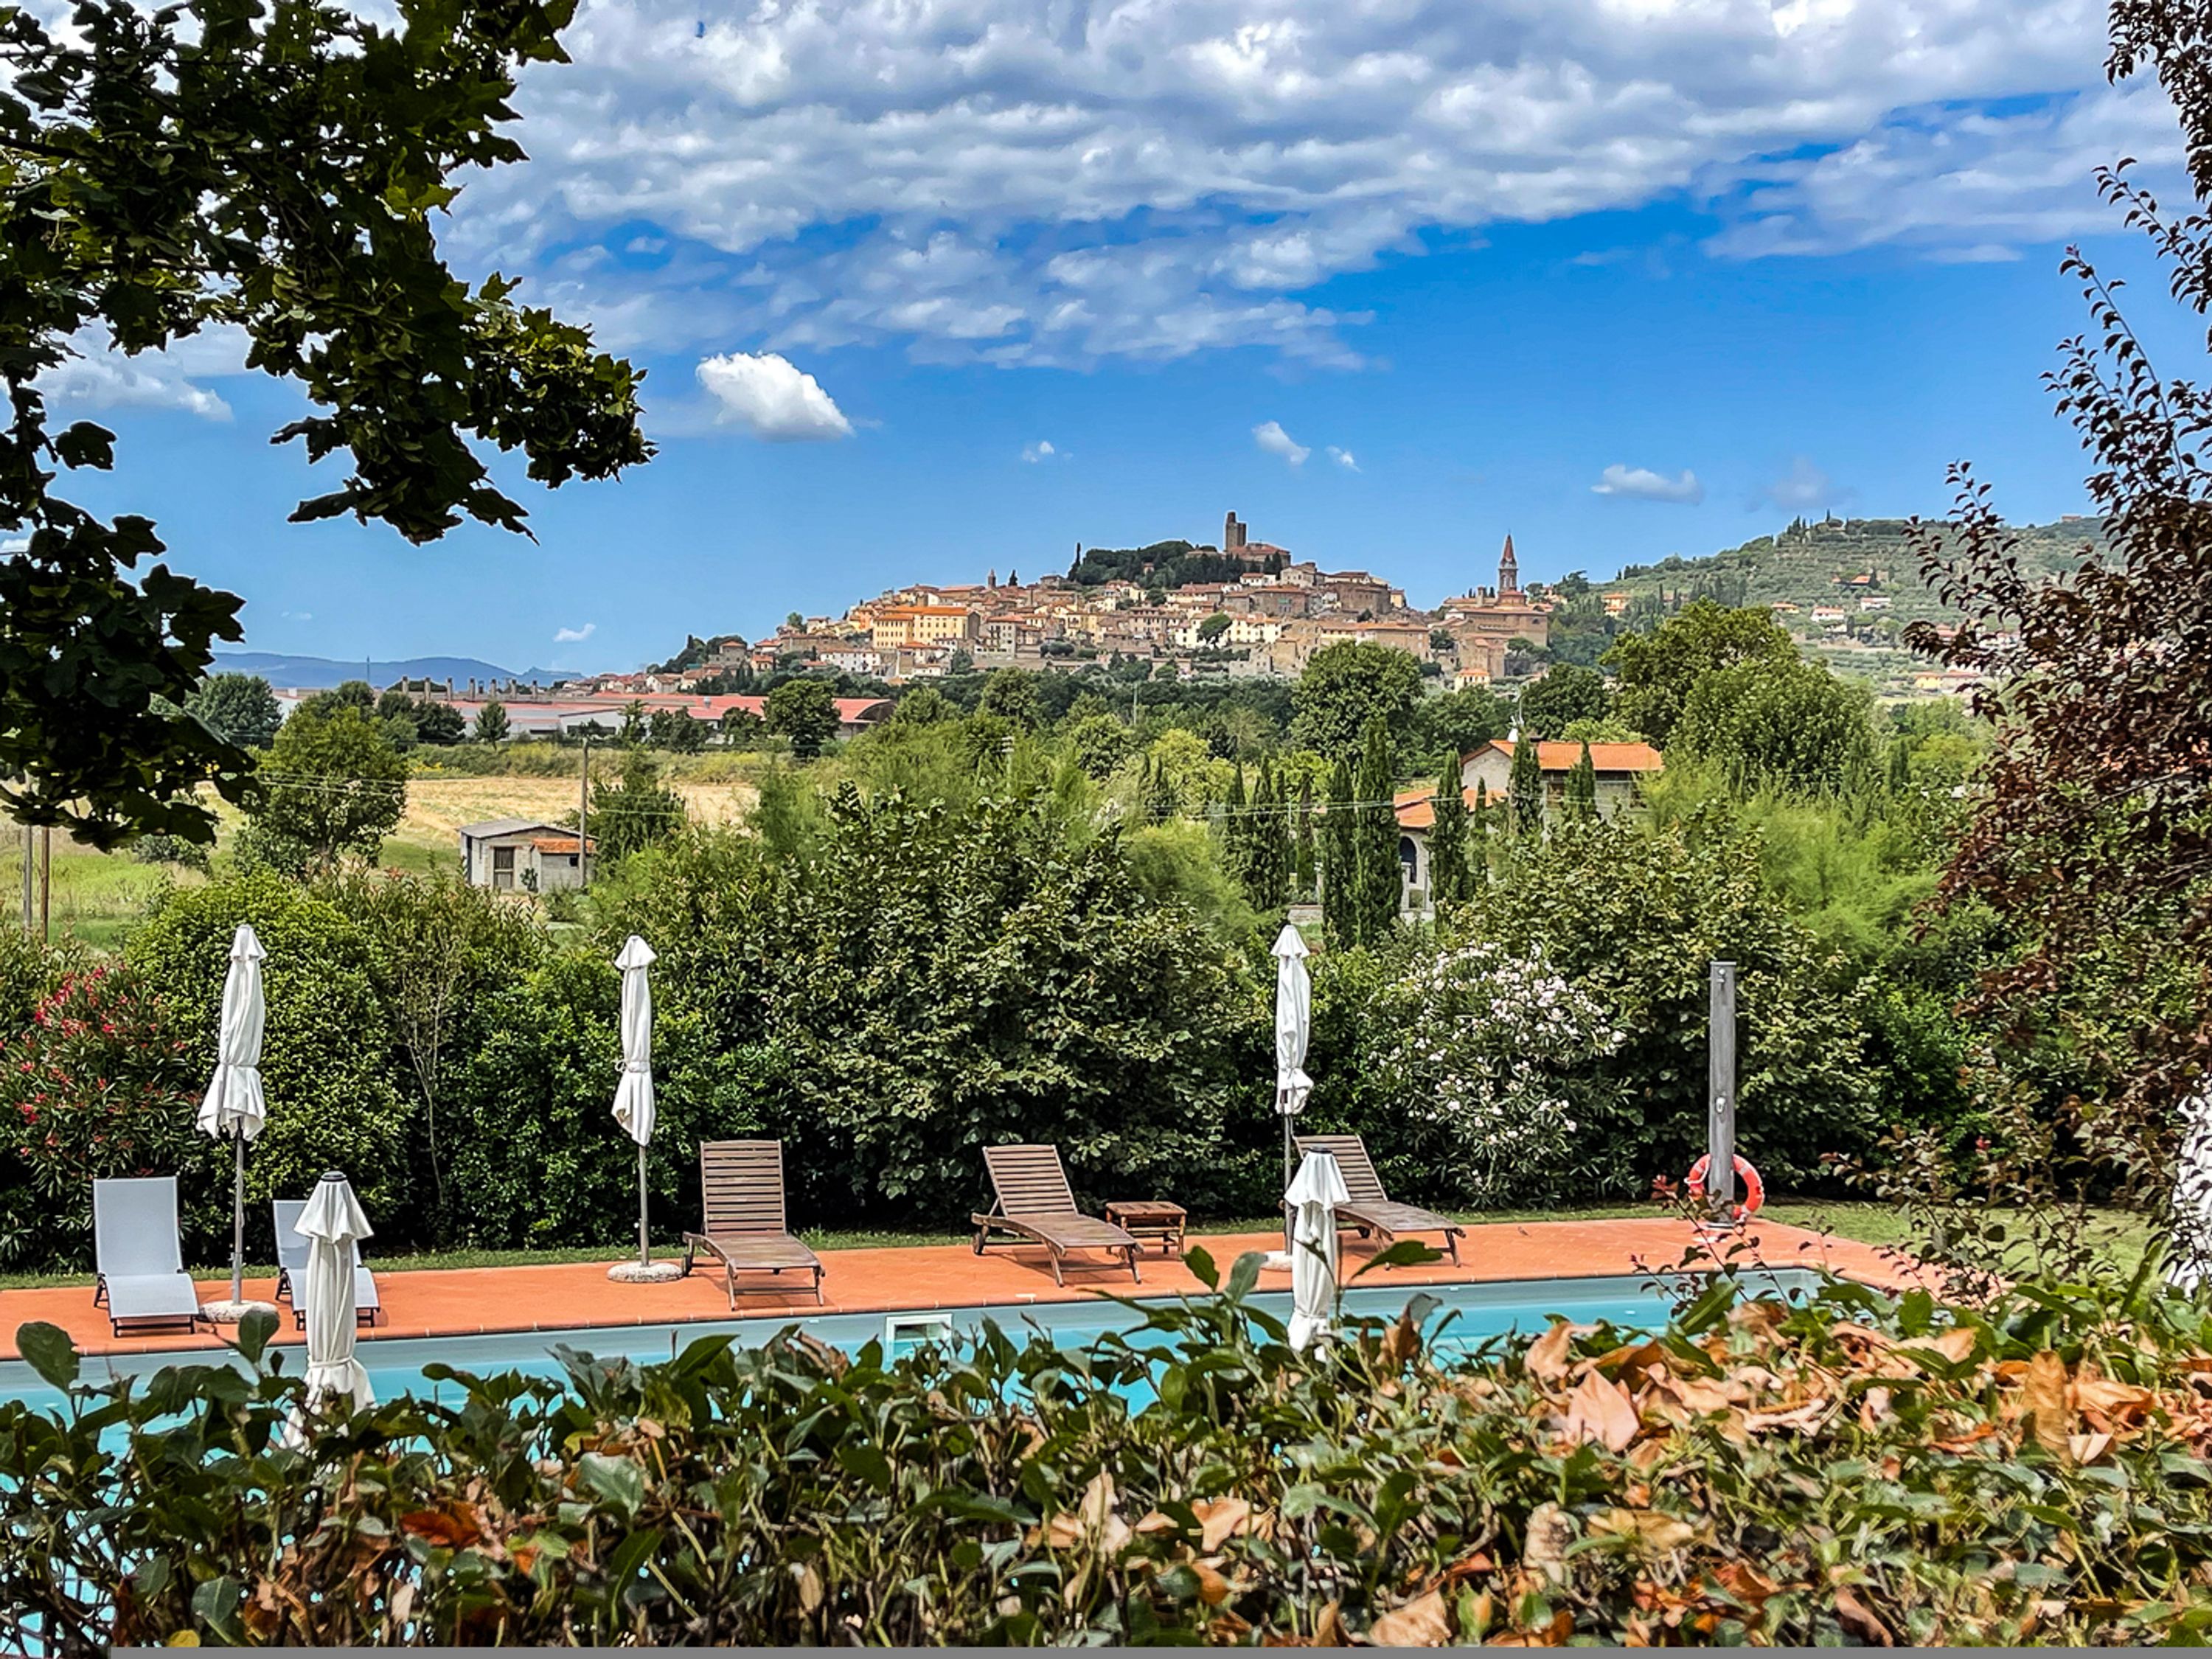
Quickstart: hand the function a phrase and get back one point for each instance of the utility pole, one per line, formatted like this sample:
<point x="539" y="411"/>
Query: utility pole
<point x="583" y="820"/>
<point x="1720" y="1077"/>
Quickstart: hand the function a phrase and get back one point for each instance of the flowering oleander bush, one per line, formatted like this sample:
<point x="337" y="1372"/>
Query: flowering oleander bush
<point x="1853" y="1470"/>
<point x="95" y="1086"/>
<point x="1484" y="1049"/>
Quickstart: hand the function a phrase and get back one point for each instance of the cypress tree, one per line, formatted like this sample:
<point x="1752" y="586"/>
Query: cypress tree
<point x="1303" y="875"/>
<point x="1271" y="845"/>
<point x="1237" y="832"/>
<point x="1900" y="766"/>
<point x="1159" y="798"/>
<point x="1448" y="838"/>
<point x="1339" y="892"/>
<point x="1478" y="861"/>
<point x="1524" y="789"/>
<point x="1381" y="877"/>
<point x="1581" y="788"/>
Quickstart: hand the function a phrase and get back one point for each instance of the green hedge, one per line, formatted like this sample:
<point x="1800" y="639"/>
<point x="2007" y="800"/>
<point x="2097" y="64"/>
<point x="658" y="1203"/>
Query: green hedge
<point x="1853" y="1471"/>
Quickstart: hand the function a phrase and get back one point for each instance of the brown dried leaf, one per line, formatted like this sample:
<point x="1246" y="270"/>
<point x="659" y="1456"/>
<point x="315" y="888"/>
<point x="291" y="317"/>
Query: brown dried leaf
<point x="1967" y="1441"/>
<point x="2043" y="1396"/>
<point x="1212" y="1588"/>
<point x="1547" y="1358"/>
<point x="456" y="1524"/>
<point x="809" y="1588"/>
<point x="1329" y="1629"/>
<point x="2087" y="1448"/>
<point x="1874" y="1407"/>
<point x="1419" y="1624"/>
<point x="1553" y="1635"/>
<point x="1631" y="1364"/>
<point x="2121" y="1406"/>
<point x="1550" y="1533"/>
<point x="1858" y="1619"/>
<point x="1745" y="1584"/>
<point x="1597" y="1410"/>
<point x="1758" y="1319"/>
<point x="1651" y="1530"/>
<point x="1402" y="1343"/>
<point x="1805" y="1417"/>
<point x="1220" y="1519"/>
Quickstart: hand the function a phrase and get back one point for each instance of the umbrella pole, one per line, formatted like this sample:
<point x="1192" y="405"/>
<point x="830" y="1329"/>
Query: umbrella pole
<point x="238" y="1221"/>
<point x="644" y="1244"/>
<point x="1286" y="1175"/>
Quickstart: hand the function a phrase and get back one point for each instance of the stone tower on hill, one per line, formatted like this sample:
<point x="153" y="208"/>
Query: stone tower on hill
<point x="1509" y="571"/>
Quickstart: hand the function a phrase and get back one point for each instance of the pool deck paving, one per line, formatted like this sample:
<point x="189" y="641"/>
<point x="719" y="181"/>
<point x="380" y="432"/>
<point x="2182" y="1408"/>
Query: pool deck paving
<point x="579" y="1296"/>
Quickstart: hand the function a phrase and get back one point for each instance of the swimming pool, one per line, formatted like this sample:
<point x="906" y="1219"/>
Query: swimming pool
<point x="1465" y="1317"/>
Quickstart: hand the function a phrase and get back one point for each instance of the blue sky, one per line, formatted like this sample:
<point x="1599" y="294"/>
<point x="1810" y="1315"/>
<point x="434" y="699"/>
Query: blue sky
<point x="1623" y="278"/>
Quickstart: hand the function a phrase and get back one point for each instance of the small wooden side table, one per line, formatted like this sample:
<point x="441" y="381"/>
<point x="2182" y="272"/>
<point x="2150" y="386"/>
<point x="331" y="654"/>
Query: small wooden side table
<point x="1150" y="1219"/>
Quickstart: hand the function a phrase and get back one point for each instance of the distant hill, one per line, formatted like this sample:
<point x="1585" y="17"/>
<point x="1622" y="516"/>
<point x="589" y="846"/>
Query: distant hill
<point x="316" y="672"/>
<point x="1816" y="564"/>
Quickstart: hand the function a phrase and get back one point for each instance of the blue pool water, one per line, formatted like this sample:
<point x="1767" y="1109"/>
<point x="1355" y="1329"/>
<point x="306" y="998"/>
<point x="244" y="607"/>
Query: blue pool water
<point x="1466" y="1316"/>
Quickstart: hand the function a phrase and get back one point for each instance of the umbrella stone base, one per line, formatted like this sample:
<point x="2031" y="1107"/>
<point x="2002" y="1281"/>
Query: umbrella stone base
<point x="227" y="1312"/>
<point x="645" y="1273"/>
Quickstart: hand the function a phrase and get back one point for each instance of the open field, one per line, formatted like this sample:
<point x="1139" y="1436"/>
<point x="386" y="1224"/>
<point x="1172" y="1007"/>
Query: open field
<point x="98" y="896"/>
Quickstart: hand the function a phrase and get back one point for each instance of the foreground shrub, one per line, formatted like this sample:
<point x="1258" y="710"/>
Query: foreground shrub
<point x="536" y="1157"/>
<point x="910" y="985"/>
<point x="93" y="1087"/>
<point x="1853" y="1470"/>
<point x="326" y="1060"/>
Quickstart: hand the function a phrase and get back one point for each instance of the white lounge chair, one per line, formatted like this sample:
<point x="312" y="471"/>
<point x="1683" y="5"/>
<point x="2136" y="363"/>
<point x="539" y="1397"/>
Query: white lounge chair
<point x="292" y="1267"/>
<point x="136" y="1247"/>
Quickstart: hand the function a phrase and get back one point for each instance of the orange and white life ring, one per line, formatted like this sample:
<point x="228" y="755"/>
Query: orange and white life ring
<point x="1754" y="1189"/>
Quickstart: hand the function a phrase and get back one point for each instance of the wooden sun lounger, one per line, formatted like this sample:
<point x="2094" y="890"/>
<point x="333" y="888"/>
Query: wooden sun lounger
<point x="743" y="1226"/>
<point x="1369" y="1210"/>
<point x="1032" y="1201"/>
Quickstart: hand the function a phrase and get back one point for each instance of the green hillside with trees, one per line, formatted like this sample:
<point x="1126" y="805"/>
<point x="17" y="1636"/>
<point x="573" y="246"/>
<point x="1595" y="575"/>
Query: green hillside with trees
<point x="1815" y="562"/>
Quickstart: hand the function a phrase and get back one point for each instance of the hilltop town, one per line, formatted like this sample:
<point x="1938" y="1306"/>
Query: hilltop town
<point x="1237" y="609"/>
<point x="1244" y="609"/>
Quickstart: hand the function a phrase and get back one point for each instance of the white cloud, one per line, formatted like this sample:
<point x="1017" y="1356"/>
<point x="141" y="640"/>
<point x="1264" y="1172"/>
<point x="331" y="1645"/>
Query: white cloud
<point x="1271" y="437"/>
<point x="299" y="615"/>
<point x="1803" y="489"/>
<point x="1957" y="187"/>
<point x="1041" y="450"/>
<point x="576" y="635"/>
<point x="1644" y="484"/>
<point x="986" y="180"/>
<point x="1343" y="458"/>
<point x="15" y="545"/>
<point x="772" y="399"/>
<point x="100" y="377"/>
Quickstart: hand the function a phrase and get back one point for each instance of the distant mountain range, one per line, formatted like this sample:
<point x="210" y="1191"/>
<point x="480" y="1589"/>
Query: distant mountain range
<point x="315" y="673"/>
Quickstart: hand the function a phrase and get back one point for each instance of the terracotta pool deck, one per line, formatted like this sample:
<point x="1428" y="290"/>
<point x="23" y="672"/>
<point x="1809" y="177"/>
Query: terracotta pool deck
<point x="472" y="1301"/>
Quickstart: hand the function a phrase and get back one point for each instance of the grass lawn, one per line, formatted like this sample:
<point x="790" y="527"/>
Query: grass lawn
<point x="2124" y="1234"/>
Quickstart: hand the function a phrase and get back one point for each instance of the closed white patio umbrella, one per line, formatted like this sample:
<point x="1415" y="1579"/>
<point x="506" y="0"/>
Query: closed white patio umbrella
<point x="233" y="1107"/>
<point x="1312" y="1199"/>
<point x="633" y="1106"/>
<point x="333" y="1226"/>
<point x="1293" y="1027"/>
